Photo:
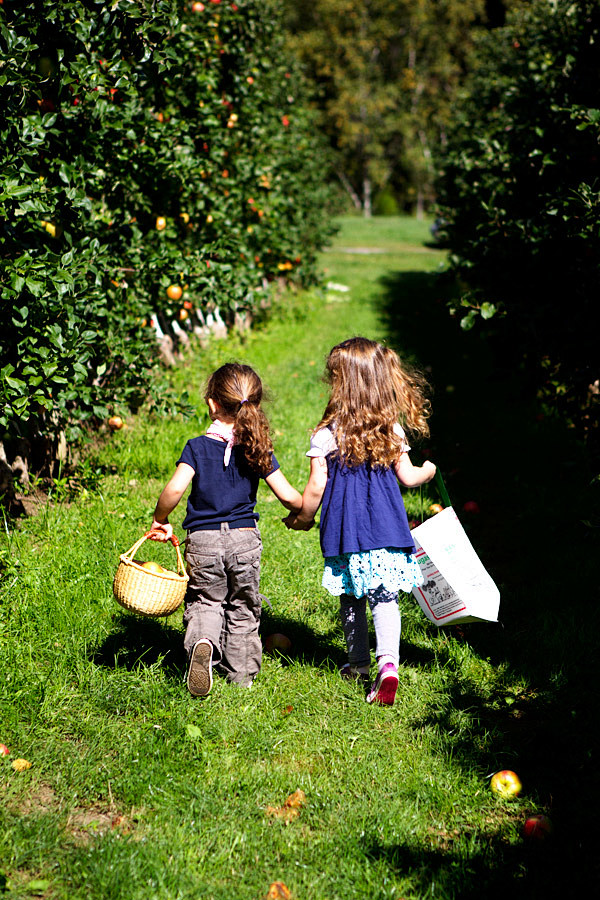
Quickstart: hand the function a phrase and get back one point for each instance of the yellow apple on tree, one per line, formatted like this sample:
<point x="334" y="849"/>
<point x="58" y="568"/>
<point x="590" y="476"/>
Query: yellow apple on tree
<point x="161" y="223"/>
<point x="174" y="292"/>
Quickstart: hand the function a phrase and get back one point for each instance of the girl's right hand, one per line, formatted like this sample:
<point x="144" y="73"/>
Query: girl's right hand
<point x="161" y="531"/>
<point x="429" y="470"/>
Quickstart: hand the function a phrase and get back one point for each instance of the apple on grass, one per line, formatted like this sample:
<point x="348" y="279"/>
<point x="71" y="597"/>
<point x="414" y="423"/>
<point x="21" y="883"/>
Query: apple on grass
<point x="115" y="423"/>
<point x="506" y="784"/>
<point x="537" y="828"/>
<point x="278" y="642"/>
<point x="4" y="751"/>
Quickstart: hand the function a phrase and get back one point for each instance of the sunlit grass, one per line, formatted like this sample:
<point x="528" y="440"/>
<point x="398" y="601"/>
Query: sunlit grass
<point x="139" y="791"/>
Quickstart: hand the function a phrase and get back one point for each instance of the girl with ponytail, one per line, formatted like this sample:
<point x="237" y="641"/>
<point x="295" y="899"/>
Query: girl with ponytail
<point x="223" y="545"/>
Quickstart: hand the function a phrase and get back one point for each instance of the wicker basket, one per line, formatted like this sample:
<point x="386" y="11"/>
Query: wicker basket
<point x="149" y="593"/>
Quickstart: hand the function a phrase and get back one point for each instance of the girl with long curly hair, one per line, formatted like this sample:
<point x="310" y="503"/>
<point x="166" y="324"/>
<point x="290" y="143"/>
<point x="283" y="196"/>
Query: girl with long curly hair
<point x="223" y="545"/>
<point x="358" y="454"/>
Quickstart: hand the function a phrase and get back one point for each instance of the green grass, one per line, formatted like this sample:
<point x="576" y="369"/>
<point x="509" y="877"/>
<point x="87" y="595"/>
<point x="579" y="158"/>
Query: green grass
<point x="136" y="790"/>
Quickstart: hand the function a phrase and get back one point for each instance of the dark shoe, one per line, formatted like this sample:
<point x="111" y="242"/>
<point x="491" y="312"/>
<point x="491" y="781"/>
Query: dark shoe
<point x="351" y="673"/>
<point x="199" y="679"/>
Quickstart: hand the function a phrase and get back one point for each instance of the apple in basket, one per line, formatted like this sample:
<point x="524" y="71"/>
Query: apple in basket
<point x="154" y="567"/>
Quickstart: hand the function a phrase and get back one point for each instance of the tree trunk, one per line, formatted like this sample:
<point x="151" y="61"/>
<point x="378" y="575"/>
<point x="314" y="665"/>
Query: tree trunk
<point x="420" y="203"/>
<point x="367" y="204"/>
<point x="351" y="192"/>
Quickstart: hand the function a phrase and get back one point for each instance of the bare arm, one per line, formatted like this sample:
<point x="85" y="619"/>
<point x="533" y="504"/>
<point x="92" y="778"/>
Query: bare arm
<point x="168" y="500"/>
<point x="312" y="496"/>
<point x="283" y="490"/>
<point x="412" y="476"/>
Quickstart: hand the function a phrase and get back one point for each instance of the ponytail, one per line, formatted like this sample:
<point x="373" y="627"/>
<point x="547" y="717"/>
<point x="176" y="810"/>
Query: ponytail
<point x="238" y="391"/>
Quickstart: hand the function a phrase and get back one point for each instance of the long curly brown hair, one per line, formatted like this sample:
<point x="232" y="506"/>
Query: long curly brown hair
<point x="238" y="390"/>
<point x="372" y="390"/>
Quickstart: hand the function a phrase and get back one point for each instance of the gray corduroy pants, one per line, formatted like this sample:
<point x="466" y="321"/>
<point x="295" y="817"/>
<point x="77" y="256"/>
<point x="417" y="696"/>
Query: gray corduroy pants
<point x="223" y="603"/>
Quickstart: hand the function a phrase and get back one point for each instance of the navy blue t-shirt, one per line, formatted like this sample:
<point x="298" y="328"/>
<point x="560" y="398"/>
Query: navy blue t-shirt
<point x="220" y="493"/>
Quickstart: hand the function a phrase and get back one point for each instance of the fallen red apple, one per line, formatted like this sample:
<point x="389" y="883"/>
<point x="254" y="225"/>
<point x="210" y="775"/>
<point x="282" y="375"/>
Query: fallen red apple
<point x="278" y="642"/>
<point x="471" y="507"/>
<point x="506" y="784"/>
<point x="538" y="828"/>
<point x="4" y="751"/>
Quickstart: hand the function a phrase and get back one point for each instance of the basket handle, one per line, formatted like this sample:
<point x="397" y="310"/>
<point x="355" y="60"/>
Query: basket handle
<point x="174" y="540"/>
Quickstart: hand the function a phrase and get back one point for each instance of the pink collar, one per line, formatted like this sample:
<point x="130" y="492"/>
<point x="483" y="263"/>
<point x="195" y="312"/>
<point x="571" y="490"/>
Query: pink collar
<point x="221" y="431"/>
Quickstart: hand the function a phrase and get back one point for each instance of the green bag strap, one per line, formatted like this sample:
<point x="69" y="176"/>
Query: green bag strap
<point x="441" y="489"/>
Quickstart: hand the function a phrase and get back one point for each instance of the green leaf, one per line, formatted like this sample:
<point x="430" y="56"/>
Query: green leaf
<point x="194" y="733"/>
<point x="488" y="310"/>
<point x="467" y="322"/>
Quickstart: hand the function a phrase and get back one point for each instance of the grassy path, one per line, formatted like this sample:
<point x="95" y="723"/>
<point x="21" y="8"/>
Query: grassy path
<point x="138" y="791"/>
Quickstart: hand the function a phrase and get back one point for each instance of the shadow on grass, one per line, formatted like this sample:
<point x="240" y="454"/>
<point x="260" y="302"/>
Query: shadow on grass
<point x="318" y="649"/>
<point x="532" y="483"/>
<point x="498" y="870"/>
<point x="139" y="642"/>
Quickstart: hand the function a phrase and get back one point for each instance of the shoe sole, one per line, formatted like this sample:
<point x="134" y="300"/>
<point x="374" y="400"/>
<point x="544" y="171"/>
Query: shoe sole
<point x="386" y="692"/>
<point x="199" y="680"/>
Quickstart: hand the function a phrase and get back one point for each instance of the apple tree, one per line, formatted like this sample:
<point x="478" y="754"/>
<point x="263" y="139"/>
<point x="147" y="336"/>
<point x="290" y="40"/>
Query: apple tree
<point x="158" y="169"/>
<point x="519" y="194"/>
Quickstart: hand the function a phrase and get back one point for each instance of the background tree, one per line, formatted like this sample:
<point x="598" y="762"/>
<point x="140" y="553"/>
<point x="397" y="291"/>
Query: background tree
<point x="386" y="74"/>
<point x="520" y="194"/>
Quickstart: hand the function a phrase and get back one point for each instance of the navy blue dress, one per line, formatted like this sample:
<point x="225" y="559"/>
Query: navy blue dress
<point x="364" y="532"/>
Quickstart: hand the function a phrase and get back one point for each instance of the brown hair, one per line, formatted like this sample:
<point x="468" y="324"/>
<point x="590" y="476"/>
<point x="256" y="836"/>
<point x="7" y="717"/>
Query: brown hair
<point x="238" y="390"/>
<point x="371" y="390"/>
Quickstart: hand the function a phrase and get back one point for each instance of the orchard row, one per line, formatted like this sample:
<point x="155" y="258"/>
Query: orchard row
<point x="159" y="169"/>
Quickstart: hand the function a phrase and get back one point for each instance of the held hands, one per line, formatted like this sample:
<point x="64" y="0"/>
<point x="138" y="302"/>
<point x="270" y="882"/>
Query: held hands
<point x="160" y="531"/>
<point x="295" y="523"/>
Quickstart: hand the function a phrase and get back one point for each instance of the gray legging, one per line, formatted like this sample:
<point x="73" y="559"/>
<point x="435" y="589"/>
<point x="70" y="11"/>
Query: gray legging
<point x="386" y="619"/>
